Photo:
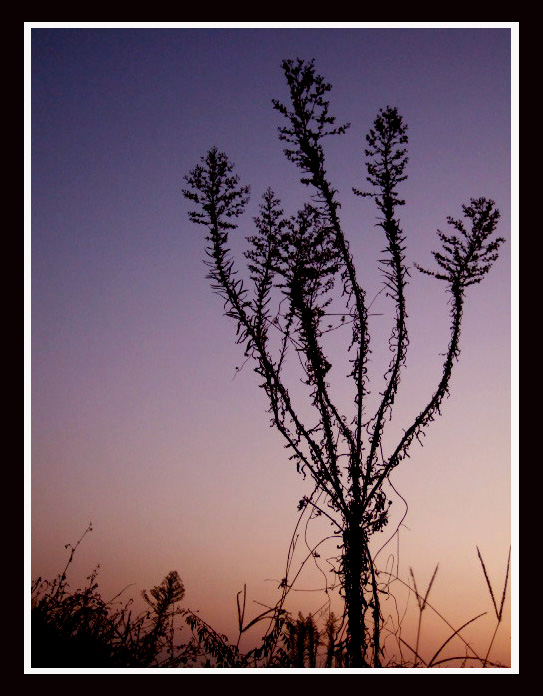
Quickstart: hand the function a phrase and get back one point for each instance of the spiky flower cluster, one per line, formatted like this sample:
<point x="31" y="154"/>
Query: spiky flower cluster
<point x="468" y="255"/>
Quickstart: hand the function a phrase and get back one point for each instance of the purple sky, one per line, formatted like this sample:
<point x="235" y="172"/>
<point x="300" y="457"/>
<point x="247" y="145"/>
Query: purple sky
<point x="139" y="421"/>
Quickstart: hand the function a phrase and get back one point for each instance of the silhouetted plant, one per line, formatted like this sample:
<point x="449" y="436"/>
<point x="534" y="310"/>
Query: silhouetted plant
<point x="421" y="601"/>
<point x="80" y="629"/>
<point x="499" y="612"/>
<point x="330" y="632"/>
<point x="303" y="275"/>
<point x="303" y="641"/>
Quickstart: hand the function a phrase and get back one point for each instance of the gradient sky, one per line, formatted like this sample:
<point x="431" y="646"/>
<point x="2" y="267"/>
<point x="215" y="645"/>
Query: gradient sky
<point x="140" y="422"/>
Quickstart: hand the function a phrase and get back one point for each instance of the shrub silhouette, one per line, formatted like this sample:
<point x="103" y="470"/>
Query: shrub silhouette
<point x="80" y="629"/>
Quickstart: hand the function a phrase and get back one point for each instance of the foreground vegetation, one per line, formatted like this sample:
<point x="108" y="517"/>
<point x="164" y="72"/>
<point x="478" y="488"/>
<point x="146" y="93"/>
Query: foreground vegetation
<point x="80" y="629"/>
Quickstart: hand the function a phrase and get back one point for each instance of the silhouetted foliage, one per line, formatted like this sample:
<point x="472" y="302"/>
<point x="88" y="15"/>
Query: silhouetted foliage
<point x="303" y="273"/>
<point x="80" y="629"/>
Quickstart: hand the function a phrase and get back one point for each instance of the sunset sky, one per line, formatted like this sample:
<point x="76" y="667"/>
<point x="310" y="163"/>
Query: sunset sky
<point x="140" y="422"/>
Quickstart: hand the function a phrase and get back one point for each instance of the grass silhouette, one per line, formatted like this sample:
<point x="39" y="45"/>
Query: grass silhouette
<point x="79" y="629"/>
